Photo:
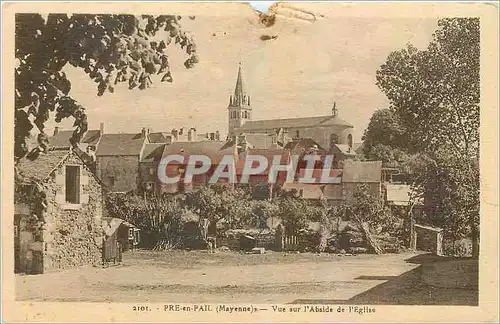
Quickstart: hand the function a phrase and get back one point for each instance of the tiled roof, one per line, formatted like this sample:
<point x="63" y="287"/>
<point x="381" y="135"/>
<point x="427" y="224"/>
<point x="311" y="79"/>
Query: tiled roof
<point x="271" y="124"/>
<point x="152" y="152"/>
<point x="120" y="144"/>
<point x="362" y="171"/>
<point x="40" y="168"/>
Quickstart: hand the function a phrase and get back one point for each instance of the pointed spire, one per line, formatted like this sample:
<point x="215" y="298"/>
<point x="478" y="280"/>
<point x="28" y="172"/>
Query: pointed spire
<point x="238" y="90"/>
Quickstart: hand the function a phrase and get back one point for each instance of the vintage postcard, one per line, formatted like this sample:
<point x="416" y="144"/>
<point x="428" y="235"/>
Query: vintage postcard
<point x="236" y="162"/>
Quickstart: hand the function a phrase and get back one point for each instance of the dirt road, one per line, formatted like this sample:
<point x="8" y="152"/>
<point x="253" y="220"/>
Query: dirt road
<point x="216" y="278"/>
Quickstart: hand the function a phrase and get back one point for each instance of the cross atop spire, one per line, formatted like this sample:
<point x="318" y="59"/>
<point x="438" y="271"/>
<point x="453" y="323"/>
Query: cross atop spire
<point x="334" y="109"/>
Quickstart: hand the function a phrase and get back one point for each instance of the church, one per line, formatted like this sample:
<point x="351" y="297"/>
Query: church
<point x="330" y="132"/>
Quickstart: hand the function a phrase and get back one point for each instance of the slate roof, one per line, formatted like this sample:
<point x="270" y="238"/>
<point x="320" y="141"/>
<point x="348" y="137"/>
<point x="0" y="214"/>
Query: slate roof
<point x="362" y="171"/>
<point x="254" y="125"/>
<point x="41" y="168"/>
<point x="120" y="144"/>
<point x="211" y="149"/>
<point x="299" y="145"/>
<point x="92" y="137"/>
<point x="152" y="152"/>
<point x="61" y="139"/>
<point x="159" y="137"/>
<point x="256" y="141"/>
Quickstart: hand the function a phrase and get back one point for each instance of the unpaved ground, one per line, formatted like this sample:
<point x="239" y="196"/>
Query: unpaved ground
<point x="190" y="277"/>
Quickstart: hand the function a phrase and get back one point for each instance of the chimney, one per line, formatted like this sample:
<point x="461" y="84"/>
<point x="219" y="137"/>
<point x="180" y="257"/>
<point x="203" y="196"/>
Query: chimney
<point x="175" y="133"/>
<point x="143" y="132"/>
<point x="192" y="134"/>
<point x="102" y="128"/>
<point x="56" y="130"/>
<point x="212" y="136"/>
<point x="217" y="136"/>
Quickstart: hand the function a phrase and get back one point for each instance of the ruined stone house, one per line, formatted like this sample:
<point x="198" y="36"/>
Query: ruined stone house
<point x="58" y="209"/>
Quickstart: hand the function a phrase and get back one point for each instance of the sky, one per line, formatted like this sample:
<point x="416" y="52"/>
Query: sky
<point x="308" y="67"/>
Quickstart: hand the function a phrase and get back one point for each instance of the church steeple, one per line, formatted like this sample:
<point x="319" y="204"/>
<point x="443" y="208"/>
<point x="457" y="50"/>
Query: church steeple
<point x="239" y="104"/>
<point x="238" y="90"/>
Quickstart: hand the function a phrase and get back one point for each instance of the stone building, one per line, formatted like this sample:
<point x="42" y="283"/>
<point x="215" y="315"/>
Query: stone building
<point x="118" y="157"/>
<point x="58" y="210"/>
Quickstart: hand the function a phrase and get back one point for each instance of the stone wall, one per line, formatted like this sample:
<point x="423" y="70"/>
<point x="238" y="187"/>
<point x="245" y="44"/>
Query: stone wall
<point x="124" y="170"/>
<point x="72" y="235"/>
<point x="429" y="240"/>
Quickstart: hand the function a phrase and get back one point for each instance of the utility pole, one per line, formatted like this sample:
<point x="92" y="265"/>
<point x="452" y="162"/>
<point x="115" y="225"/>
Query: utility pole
<point x="235" y="157"/>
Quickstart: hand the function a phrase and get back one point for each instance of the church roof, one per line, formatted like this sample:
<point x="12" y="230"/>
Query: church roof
<point x="302" y="122"/>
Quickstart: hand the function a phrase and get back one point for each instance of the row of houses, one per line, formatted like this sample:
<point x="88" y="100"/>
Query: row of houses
<point x="74" y="181"/>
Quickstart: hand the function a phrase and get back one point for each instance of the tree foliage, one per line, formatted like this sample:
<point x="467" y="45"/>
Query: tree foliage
<point x="435" y="92"/>
<point x="219" y="203"/>
<point x="110" y="49"/>
<point x="435" y="95"/>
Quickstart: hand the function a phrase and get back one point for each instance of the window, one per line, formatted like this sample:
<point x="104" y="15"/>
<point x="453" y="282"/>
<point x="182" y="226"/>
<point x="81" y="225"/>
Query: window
<point x="137" y="237"/>
<point x="111" y="181"/>
<point x="334" y="139"/>
<point x="72" y="184"/>
<point x="349" y="140"/>
<point x="150" y="186"/>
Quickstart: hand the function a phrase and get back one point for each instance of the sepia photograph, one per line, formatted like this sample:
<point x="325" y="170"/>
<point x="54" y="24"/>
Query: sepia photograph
<point x="250" y="158"/>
